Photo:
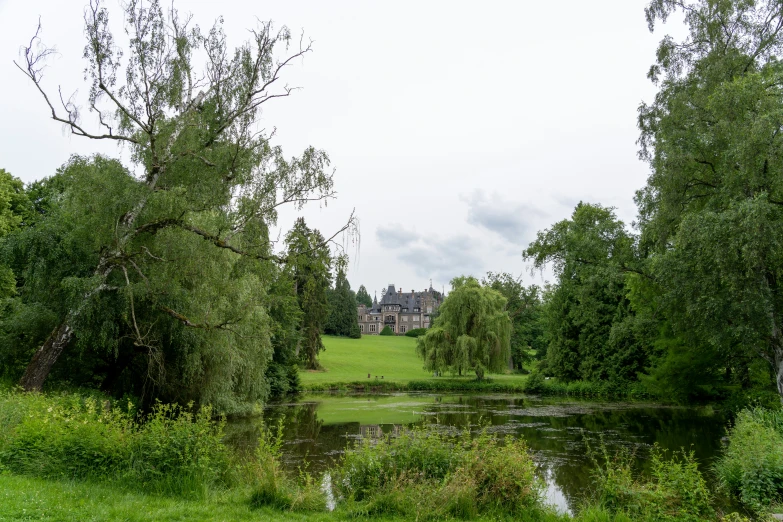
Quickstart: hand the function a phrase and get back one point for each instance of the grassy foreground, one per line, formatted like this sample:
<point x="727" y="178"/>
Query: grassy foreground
<point x="347" y="362"/>
<point x="26" y="498"/>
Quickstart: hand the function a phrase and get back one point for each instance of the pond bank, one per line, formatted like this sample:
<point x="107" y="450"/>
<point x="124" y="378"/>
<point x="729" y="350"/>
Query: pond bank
<point x="559" y="431"/>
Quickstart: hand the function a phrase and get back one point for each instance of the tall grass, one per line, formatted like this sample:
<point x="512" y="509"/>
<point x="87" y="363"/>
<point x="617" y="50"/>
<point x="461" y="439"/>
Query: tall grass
<point x="172" y="450"/>
<point x="751" y="467"/>
<point x="676" y="489"/>
<point x="424" y="475"/>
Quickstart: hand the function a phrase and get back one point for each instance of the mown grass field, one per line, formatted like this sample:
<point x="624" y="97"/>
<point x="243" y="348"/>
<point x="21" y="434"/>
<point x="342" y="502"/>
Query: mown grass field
<point x="346" y="359"/>
<point x="392" y="357"/>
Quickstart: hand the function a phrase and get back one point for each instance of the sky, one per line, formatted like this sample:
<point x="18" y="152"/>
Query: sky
<point x="457" y="130"/>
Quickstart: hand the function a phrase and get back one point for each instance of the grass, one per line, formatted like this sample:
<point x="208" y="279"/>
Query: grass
<point x="347" y="362"/>
<point x="25" y="498"/>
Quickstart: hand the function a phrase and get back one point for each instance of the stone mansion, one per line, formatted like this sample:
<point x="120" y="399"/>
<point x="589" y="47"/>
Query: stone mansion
<point x="400" y="311"/>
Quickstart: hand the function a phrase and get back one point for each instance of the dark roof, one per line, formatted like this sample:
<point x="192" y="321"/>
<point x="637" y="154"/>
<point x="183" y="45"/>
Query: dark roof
<point x="409" y="300"/>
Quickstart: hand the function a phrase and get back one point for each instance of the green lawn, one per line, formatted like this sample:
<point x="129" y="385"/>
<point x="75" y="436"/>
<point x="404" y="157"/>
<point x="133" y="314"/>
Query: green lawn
<point x="349" y="360"/>
<point x="25" y="498"/>
<point x="393" y="357"/>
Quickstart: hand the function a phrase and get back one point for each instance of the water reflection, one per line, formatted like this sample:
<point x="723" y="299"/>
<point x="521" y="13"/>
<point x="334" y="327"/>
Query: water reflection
<point x="559" y="432"/>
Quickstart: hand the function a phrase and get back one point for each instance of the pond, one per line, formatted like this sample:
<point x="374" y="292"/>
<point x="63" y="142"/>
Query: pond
<point x="318" y="428"/>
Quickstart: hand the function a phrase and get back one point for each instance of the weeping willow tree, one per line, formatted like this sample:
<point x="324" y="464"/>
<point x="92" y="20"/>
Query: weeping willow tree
<point x="472" y="332"/>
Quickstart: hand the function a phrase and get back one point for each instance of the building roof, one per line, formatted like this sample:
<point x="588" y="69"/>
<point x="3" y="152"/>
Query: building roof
<point x="409" y="300"/>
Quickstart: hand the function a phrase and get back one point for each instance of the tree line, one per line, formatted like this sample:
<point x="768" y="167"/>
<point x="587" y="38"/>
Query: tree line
<point x="689" y="299"/>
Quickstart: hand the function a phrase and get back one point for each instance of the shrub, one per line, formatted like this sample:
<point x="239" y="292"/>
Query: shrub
<point x="751" y="467"/>
<point x="415" y="332"/>
<point x="424" y="474"/>
<point x="675" y="491"/>
<point x="175" y="450"/>
<point x="534" y="383"/>
<point x="386" y="331"/>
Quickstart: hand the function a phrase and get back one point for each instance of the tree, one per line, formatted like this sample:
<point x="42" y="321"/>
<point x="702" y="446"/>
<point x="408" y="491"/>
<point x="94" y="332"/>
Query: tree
<point x="343" y="319"/>
<point x="182" y="251"/>
<point x="523" y="305"/>
<point x="362" y="297"/>
<point x="592" y="254"/>
<point x="711" y="213"/>
<point x="473" y="331"/>
<point x="310" y="264"/>
<point x="15" y="210"/>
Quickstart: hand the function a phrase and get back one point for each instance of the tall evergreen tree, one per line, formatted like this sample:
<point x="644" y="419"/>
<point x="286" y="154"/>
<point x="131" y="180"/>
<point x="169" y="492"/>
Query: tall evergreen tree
<point x="310" y="262"/>
<point x="343" y="318"/>
<point x="363" y="297"/>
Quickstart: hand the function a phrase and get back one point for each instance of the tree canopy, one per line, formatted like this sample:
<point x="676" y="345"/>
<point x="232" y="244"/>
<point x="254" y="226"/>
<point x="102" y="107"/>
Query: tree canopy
<point x="711" y="213"/>
<point x="163" y="276"/>
<point x="472" y="332"/>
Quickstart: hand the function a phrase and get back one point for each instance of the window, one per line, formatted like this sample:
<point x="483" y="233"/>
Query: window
<point x="372" y="327"/>
<point x="405" y="318"/>
<point x="404" y="309"/>
<point x="361" y="328"/>
<point x="402" y="329"/>
<point x="390" y="318"/>
<point x="417" y="309"/>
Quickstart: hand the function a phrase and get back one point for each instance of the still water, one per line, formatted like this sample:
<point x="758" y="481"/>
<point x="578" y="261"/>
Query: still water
<point x="318" y="428"/>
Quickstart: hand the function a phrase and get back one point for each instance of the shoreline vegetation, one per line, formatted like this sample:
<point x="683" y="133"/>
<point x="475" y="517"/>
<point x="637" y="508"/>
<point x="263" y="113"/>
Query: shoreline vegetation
<point x="79" y="455"/>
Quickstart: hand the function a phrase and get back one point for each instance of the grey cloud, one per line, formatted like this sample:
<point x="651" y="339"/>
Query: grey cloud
<point x="395" y="236"/>
<point x="443" y="258"/>
<point x="512" y="221"/>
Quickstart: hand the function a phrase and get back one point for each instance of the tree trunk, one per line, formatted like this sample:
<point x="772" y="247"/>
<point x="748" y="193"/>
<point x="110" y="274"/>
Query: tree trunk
<point x="43" y="360"/>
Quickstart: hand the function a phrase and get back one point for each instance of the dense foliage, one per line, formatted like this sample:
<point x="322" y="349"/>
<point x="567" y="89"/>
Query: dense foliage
<point x="524" y="306"/>
<point x="472" y="332"/>
<point x="690" y="305"/>
<point x="159" y="279"/>
<point x="362" y="297"/>
<point x="427" y="475"/>
<point x="342" y="320"/>
<point x="310" y="264"/>
<point x="752" y="465"/>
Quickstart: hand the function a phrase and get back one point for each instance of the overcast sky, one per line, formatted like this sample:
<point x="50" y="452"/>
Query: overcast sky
<point x="457" y="129"/>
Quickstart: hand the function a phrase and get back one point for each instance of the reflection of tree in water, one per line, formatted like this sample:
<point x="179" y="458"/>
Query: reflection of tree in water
<point x="558" y="432"/>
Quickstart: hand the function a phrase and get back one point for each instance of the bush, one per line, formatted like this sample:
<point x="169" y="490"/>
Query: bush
<point x="535" y="383"/>
<point x="416" y="332"/>
<point x="675" y="491"/>
<point x="175" y="450"/>
<point x="751" y="467"/>
<point x="386" y="331"/>
<point x="425" y="474"/>
<point x="356" y="332"/>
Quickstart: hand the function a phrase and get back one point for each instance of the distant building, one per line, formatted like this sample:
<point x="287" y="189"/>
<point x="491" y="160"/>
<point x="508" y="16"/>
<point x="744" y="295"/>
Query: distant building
<point x="400" y="311"/>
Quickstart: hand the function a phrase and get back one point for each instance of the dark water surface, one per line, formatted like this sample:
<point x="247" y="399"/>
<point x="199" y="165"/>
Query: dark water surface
<point x="318" y="428"/>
